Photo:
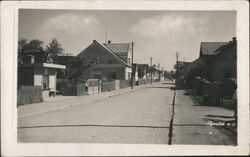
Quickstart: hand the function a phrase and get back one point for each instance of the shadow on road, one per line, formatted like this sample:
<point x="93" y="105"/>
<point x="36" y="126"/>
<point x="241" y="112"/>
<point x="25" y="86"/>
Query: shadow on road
<point x="161" y="87"/>
<point x="168" y="83"/>
<point x="92" y="125"/>
<point x="190" y="125"/>
<point x="219" y="116"/>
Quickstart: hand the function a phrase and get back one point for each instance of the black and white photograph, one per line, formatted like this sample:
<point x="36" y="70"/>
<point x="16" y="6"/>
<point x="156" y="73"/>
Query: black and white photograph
<point x="160" y="77"/>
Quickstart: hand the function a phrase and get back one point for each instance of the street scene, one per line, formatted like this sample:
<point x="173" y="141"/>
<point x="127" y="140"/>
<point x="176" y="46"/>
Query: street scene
<point x="109" y="119"/>
<point x="127" y="77"/>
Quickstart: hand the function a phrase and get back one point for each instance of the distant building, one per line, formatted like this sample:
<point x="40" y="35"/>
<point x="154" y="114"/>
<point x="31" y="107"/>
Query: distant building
<point x="143" y="71"/>
<point x="108" y="61"/>
<point x="180" y="70"/>
<point x="155" y="73"/>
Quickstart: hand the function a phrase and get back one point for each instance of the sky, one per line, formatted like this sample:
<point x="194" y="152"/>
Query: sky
<point x="156" y="34"/>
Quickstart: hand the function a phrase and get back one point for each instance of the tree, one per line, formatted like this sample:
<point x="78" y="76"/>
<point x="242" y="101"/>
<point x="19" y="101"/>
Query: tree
<point x="33" y="46"/>
<point x="76" y="69"/>
<point x="21" y="44"/>
<point x="53" y="50"/>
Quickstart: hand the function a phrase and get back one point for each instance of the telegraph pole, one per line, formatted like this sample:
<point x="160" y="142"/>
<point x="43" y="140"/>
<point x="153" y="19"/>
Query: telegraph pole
<point x="159" y="77"/>
<point x="106" y="34"/>
<point x="132" y="62"/>
<point x="177" y="68"/>
<point x="151" y="70"/>
<point x="177" y="54"/>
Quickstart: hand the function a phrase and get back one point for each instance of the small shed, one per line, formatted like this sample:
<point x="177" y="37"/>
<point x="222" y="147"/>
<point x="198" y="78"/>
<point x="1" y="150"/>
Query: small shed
<point x="39" y="74"/>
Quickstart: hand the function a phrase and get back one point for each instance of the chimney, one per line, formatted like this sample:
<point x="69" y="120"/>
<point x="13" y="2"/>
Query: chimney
<point x="109" y="41"/>
<point x="234" y="39"/>
<point x="32" y="59"/>
<point x="94" y="41"/>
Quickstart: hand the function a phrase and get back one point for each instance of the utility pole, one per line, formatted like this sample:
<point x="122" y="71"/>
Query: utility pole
<point x="177" y="68"/>
<point x="132" y="62"/>
<point x="151" y="70"/>
<point x="106" y="34"/>
<point x="177" y="55"/>
<point x="159" y="77"/>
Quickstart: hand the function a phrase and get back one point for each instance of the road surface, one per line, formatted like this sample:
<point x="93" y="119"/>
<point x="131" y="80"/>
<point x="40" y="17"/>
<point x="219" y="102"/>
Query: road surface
<point x="139" y="117"/>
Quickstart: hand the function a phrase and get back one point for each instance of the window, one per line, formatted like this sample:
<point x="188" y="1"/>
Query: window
<point x="113" y="75"/>
<point x="129" y="75"/>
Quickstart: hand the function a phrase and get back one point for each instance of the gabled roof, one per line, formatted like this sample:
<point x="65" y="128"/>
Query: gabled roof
<point x="120" y="49"/>
<point x="107" y="50"/>
<point x="198" y="63"/>
<point x="210" y="48"/>
<point x="230" y="43"/>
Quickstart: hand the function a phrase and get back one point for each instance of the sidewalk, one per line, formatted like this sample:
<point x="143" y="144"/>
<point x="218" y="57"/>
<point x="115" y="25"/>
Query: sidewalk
<point x="202" y="125"/>
<point x="56" y="103"/>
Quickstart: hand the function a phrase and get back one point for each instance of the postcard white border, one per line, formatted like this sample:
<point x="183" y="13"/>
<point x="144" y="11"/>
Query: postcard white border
<point x="9" y="19"/>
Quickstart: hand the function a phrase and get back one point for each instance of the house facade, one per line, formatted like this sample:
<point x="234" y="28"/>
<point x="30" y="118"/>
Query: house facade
<point x="220" y="60"/>
<point x="108" y="61"/>
<point x="217" y="63"/>
<point x="223" y="64"/>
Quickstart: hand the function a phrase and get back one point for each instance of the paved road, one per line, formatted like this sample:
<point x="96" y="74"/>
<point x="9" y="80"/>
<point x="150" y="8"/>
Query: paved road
<point x="142" y="116"/>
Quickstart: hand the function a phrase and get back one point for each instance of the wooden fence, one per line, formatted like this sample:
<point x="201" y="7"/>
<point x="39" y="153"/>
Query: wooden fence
<point x="81" y="89"/>
<point x="93" y="86"/>
<point x="108" y="86"/>
<point x="29" y="95"/>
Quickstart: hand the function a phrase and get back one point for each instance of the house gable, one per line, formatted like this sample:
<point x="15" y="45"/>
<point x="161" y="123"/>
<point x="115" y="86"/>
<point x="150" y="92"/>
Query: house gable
<point x="123" y="50"/>
<point x="100" y="54"/>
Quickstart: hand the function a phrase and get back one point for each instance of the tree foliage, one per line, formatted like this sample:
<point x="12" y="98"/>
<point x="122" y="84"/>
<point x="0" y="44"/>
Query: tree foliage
<point x="33" y="45"/>
<point x="49" y="54"/>
<point x="53" y="50"/>
<point x="76" y="69"/>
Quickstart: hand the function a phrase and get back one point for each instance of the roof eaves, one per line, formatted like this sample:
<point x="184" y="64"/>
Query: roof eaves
<point x="113" y="53"/>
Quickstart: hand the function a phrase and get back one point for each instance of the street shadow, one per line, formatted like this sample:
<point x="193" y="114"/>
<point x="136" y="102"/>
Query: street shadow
<point x="162" y="87"/>
<point x="219" y="116"/>
<point x="191" y="125"/>
<point x="198" y="101"/>
<point x="168" y="83"/>
<point x="189" y="92"/>
<point x="92" y="125"/>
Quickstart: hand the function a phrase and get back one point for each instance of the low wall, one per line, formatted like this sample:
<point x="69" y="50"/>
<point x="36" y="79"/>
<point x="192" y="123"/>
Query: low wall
<point x="143" y="81"/>
<point x="29" y="95"/>
<point x="124" y="83"/>
<point x="108" y="86"/>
